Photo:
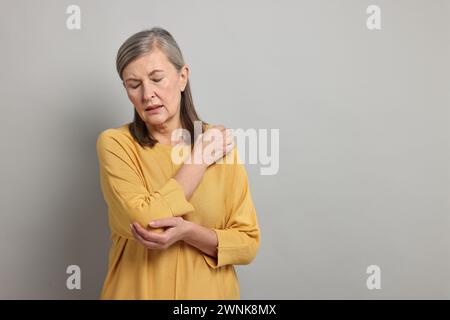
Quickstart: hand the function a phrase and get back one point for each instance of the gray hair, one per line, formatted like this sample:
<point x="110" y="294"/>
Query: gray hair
<point x="144" y="42"/>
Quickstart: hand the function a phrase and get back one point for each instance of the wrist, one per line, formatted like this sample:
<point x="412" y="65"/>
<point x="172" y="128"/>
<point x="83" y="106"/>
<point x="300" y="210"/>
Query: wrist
<point x="200" y="166"/>
<point x="188" y="230"/>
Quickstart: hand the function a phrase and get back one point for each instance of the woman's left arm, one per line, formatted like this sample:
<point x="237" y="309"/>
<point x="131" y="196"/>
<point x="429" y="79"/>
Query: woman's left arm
<point x="202" y="238"/>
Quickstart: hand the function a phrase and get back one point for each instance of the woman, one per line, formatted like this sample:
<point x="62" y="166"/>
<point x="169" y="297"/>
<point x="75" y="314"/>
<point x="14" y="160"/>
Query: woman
<point x="177" y="229"/>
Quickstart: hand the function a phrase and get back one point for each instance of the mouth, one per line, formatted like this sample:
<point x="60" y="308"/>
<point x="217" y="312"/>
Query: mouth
<point x="155" y="107"/>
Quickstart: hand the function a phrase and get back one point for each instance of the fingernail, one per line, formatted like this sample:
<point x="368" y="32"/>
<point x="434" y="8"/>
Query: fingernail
<point x="151" y="224"/>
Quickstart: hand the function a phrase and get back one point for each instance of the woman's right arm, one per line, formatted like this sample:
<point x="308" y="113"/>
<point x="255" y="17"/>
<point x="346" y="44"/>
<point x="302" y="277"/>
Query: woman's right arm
<point x="124" y="189"/>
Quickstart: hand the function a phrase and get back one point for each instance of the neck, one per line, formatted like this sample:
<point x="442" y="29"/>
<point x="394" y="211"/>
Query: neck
<point x="163" y="132"/>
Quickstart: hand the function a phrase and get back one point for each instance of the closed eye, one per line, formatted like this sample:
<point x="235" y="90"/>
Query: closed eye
<point x="138" y="85"/>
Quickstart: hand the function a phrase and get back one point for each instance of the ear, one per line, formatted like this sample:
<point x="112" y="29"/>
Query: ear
<point x="184" y="75"/>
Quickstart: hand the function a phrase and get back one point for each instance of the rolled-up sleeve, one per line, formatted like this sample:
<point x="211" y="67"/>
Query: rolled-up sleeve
<point x="239" y="242"/>
<point x="124" y="190"/>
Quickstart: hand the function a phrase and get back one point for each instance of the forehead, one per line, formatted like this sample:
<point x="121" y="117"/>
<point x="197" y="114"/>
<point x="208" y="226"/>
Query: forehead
<point x="146" y="63"/>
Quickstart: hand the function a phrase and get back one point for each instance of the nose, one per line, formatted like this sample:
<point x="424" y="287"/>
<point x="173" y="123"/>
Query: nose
<point x="148" y="92"/>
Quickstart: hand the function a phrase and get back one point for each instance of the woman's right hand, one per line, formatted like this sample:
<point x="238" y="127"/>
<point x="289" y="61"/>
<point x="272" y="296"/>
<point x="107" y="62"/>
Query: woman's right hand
<point x="212" y="145"/>
<point x="209" y="147"/>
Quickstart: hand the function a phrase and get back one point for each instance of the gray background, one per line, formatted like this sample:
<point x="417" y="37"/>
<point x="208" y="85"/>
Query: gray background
<point x="364" y="138"/>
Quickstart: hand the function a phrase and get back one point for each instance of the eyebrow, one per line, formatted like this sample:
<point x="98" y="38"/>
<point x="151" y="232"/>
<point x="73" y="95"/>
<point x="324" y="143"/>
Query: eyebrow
<point x="151" y="73"/>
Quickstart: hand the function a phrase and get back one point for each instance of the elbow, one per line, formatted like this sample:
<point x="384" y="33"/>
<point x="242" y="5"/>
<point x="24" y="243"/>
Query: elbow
<point x="140" y="213"/>
<point x="253" y="249"/>
<point x="122" y="214"/>
<point x="249" y="251"/>
<point x="121" y="220"/>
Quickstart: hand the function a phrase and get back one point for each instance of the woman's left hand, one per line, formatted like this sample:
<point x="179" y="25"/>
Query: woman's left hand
<point x="175" y="229"/>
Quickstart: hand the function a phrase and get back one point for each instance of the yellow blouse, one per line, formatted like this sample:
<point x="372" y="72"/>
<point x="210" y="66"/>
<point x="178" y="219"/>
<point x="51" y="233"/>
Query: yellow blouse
<point x="137" y="186"/>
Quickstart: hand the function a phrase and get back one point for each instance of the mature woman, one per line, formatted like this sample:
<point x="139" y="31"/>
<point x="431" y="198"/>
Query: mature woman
<point x="177" y="229"/>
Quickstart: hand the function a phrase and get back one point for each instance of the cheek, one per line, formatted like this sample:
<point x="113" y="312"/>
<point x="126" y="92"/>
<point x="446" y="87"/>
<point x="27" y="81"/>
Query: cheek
<point x="166" y="90"/>
<point x="134" y="97"/>
<point x="173" y="101"/>
<point x="168" y="95"/>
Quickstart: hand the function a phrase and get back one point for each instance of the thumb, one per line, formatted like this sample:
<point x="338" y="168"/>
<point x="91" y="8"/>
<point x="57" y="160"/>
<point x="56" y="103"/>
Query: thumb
<point x="165" y="222"/>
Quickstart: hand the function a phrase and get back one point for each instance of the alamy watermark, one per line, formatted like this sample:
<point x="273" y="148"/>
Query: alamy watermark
<point x="374" y="280"/>
<point x="73" y="281"/>
<point x="373" y="22"/>
<point x="263" y="147"/>
<point x="73" y="21"/>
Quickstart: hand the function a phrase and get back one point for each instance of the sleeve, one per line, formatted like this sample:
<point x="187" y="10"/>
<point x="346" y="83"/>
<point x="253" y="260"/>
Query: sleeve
<point x="239" y="242"/>
<point x="124" y="191"/>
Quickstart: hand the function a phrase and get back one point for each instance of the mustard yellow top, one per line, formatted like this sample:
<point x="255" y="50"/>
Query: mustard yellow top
<point x="137" y="186"/>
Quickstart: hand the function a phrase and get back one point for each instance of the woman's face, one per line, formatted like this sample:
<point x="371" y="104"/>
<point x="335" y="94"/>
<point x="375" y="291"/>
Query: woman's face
<point x="154" y="87"/>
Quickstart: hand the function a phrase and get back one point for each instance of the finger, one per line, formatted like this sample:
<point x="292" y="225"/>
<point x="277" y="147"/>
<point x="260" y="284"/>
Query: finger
<point x="229" y="148"/>
<point x="149" y="235"/>
<point x="164" y="222"/>
<point x="215" y="133"/>
<point x="229" y="133"/>
<point x="136" y="229"/>
<point x="227" y="142"/>
<point x="230" y="141"/>
<point x="228" y="137"/>
<point x="148" y="244"/>
<point x="136" y="235"/>
<point x="139" y="229"/>
<point x="219" y="127"/>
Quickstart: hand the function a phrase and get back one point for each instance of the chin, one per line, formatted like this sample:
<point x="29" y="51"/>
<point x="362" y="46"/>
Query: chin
<point x="156" y="120"/>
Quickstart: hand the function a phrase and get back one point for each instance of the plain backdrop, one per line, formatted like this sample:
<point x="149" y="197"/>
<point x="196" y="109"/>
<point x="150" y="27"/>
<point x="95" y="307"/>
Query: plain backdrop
<point x="364" y="138"/>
